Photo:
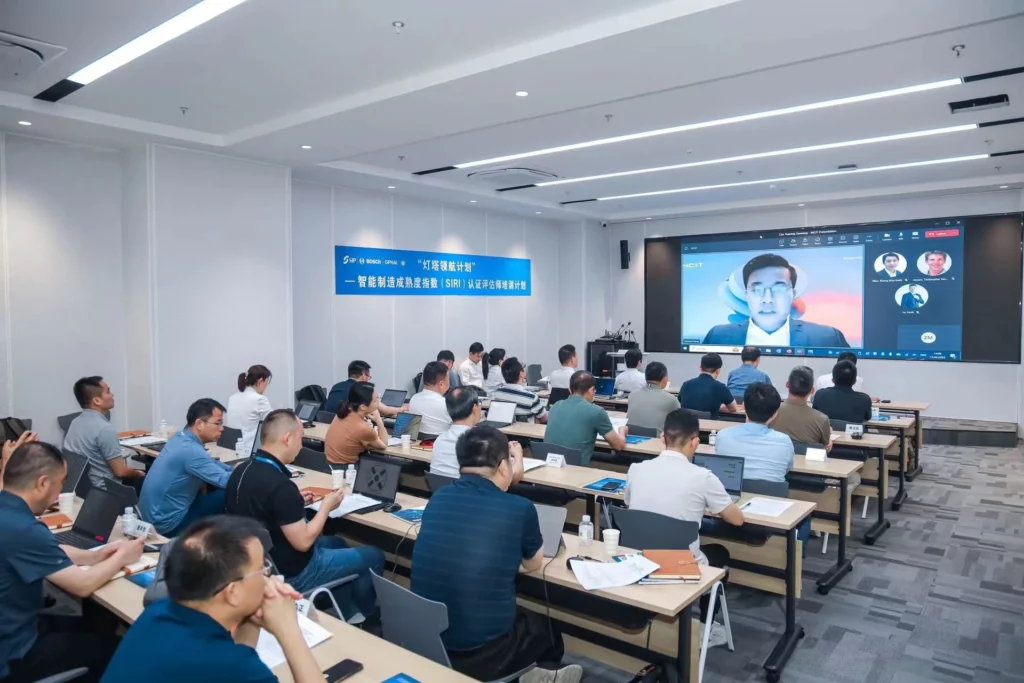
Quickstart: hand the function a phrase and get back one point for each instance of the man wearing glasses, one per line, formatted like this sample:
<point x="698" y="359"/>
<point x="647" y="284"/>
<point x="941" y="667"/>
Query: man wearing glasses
<point x="770" y="282"/>
<point x="171" y="496"/>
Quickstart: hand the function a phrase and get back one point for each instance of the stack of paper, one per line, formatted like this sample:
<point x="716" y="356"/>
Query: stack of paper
<point x="532" y="464"/>
<point x="765" y="507"/>
<point x="144" y="563"/>
<point x="350" y="503"/>
<point x="598" y="575"/>
<point x="139" y="440"/>
<point x="270" y="652"/>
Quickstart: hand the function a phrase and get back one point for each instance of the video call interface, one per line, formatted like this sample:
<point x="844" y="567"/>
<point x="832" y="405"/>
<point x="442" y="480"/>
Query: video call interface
<point x="894" y="290"/>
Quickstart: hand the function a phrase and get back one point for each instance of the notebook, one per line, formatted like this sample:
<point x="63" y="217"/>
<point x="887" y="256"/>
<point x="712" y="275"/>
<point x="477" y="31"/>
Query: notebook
<point x="318" y="492"/>
<point x="674" y="565"/>
<point x="56" y="521"/>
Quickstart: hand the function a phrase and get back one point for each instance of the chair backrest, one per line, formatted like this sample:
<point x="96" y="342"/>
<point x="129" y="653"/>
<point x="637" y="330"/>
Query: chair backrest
<point x="229" y="437"/>
<point x="642" y="530"/>
<point x="541" y="451"/>
<point x="649" y="432"/>
<point x="412" y="622"/>
<point x="312" y="460"/>
<point x="779" y="489"/>
<point x="839" y="425"/>
<point x="700" y="414"/>
<point x="557" y="395"/>
<point x="533" y="374"/>
<point x="128" y="496"/>
<point x="436" y="482"/>
<point x="800" y="448"/>
<point x="311" y="392"/>
<point x="64" y="421"/>
<point x="325" y="416"/>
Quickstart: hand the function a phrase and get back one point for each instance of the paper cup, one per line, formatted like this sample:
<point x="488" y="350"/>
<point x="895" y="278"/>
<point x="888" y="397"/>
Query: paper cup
<point x="66" y="503"/>
<point x="406" y="442"/>
<point x="611" y="541"/>
<point x="337" y="478"/>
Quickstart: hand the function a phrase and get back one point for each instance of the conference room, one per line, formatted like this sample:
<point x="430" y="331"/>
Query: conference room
<point x="301" y="294"/>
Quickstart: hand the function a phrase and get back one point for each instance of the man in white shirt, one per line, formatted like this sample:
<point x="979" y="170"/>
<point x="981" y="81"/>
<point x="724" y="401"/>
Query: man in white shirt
<point x="632" y="378"/>
<point x="825" y="381"/>
<point x="464" y="410"/>
<point x="429" y="403"/>
<point x="567" y="357"/>
<point x="471" y="371"/>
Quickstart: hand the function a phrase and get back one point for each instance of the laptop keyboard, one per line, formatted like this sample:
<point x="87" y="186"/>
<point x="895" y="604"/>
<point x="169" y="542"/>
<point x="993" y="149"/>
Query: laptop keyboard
<point x="76" y="540"/>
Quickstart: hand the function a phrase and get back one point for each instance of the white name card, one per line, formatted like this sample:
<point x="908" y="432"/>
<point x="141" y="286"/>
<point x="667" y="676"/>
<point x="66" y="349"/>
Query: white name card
<point x="816" y="454"/>
<point x="140" y="529"/>
<point x="556" y="460"/>
<point x="852" y="429"/>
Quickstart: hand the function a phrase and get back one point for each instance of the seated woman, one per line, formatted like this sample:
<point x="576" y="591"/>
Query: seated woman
<point x="357" y="427"/>
<point x="492" y="369"/>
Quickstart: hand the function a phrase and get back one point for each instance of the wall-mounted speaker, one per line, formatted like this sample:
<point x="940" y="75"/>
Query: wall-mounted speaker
<point x="624" y="254"/>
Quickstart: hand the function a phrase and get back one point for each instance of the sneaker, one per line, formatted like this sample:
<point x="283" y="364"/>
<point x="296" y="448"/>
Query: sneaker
<point x="718" y="635"/>
<point x="567" y="674"/>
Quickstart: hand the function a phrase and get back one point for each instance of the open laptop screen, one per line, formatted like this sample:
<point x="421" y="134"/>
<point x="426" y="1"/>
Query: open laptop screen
<point x="502" y="412"/>
<point x="728" y="469"/>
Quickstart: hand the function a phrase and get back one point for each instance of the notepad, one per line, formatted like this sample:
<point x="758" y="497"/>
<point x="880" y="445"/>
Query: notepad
<point x="56" y="521"/>
<point x="145" y="563"/>
<point x="269" y="650"/>
<point x="411" y="515"/>
<point x="349" y="504"/>
<point x="674" y="565"/>
<point x="600" y="483"/>
<point x="141" y="440"/>
<point x="317" y="491"/>
<point x="765" y="507"/>
<point x="532" y="464"/>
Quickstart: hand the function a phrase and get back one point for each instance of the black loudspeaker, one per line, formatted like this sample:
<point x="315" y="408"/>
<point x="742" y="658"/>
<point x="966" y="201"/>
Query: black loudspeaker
<point x="624" y="254"/>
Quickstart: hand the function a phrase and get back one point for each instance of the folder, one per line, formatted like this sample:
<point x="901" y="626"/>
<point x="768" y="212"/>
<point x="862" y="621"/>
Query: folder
<point x="674" y="565"/>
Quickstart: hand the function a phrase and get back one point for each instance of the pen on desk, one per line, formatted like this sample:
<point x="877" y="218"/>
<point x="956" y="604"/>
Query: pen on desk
<point x="745" y="505"/>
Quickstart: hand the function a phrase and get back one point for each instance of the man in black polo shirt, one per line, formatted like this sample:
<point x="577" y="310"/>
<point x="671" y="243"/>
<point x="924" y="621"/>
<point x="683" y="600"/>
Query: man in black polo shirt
<point x="704" y="393"/>
<point x="262" y="489"/>
<point x="475" y="538"/>
<point x="841" y="402"/>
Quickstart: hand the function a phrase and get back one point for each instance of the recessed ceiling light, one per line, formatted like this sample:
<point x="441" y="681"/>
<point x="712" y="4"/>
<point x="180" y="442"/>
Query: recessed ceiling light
<point x="391" y="187"/>
<point x="1003" y="187"/>
<point x="522" y="93"/>
<point x="472" y="201"/>
<point x="913" y="164"/>
<point x="307" y="147"/>
<point x="648" y="218"/>
<point x="799" y="204"/>
<point x="536" y="211"/>
<point x="24" y="123"/>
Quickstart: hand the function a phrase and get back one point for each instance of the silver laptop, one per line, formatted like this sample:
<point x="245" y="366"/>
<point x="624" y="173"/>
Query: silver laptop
<point x="552" y="521"/>
<point x="500" y="414"/>
<point x="728" y="469"/>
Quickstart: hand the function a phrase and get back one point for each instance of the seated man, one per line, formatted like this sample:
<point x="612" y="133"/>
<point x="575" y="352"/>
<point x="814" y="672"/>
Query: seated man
<point x="221" y="594"/>
<point x="529" y="406"/>
<point x="488" y="636"/>
<point x="33" y="645"/>
<point x="842" y="401"/>
<point x="569" y="361"/>
<point x="464" y="409"/>
<point x="448" y="358"/>
<point x="768" y="453"/>
<point x="358" y="371"/>
<point x="471" y="372"/>
<point x="747" y="373"/>
<point x="673" y="486"/>
<point x="171" y="496"/>
<point x="261" y="488"/>
<point x="796" y="418"/>
<point x="429" y="403"/>
<point x="91" y="435"/>
<point x="649" y="406"/>
<point x="825" y="381"/>
<point x="704" y="393"/>
<point x="576" y="422"/>
<point x="631" y="379"/>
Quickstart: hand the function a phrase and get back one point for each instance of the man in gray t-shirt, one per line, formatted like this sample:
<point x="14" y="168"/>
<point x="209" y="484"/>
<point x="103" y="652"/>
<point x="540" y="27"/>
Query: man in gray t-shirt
<point x="91" y="435"/>
<point x="648" y="407"/>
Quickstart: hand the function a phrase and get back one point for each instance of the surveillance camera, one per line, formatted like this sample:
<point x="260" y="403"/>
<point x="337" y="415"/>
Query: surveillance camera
<point x="604" y="224"/>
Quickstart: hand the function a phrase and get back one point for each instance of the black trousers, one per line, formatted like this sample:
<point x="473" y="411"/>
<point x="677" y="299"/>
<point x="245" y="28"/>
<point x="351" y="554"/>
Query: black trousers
<point x="530" y="641"/>
<point x="718" y="556"/>
<point x="64" y="642"/>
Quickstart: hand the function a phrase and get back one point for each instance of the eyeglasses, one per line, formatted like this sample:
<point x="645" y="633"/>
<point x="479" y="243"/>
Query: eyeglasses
<point x="213" y="424"/>
<point x="777" y="290"/>
<point x="267" y="570"/>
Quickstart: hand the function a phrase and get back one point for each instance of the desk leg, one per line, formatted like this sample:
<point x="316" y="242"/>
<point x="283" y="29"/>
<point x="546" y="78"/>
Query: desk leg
<point x="918" y="438"/>
<point x="842" y="566"/>
<point x="776" y="661"/>
<point x="901" y="493"/>
<point x="879" y="527"/>
<point x="683" y="647"/>
<point x="592" y="509"/>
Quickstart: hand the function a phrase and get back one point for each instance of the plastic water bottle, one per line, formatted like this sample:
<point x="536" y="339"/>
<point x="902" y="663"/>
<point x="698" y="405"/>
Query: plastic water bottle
<point x="128" y="520"/>
<point x="350" y="477"/>
<point x="163" y="428"/>
<point x="240" y="448"/>
<point x="586" y="531"/>
<point x="713" y="438"/>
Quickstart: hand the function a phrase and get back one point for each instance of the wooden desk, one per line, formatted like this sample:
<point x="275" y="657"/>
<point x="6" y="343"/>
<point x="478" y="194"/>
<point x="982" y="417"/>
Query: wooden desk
<point x="914" y="408"/>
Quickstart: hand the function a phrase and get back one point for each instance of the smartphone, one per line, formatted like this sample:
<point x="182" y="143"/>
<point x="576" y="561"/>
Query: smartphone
<point x="346" y="668"/>
<point x="611" y="486"/>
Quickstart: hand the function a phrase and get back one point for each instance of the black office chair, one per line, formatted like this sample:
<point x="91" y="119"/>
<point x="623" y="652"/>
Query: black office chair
<point x="541" y="451"/>
<point x="700" y="414"/>
<point x="129" y="496"/>
<point x="312" y="460"/>
<point x="637" y="430"/>
<point x="311" y="392"/>
<point x="64" y="421"/>
<point x="642" y="530"/>
<point x="533" y="374"/>
<point x="557" y="395"/>
<point x="779" y="489"/>
<point x="325" y="416"/>
<point x="436" y="482"/>
<point x="229" y="437"/>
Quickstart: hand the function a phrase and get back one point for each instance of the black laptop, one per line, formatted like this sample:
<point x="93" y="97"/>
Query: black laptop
<point x="393" y="397"/>
<point x="95" y="521"/>
<point x="377" y="477"/>
<point x="306" y="412"/>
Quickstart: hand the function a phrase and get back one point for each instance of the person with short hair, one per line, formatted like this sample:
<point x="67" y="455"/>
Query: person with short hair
<point x="34" y="645"/>
<point x="220" y="595"/>
<point x="358" y="371"/>
<point x="464" y="409"/>
<point x="569" y="361"/>
<point x="796" y="418"/>
<point x="842" y="401"/>
<point x="911" y="300"/>
<point x="92" y="436"/>
<point x="262" y="488"/>
<point x="704" y="393"/>
<point x="171" y="498"/>
<point x="249" y="406"/>
<point x="492" y="369"/>
<point x="768" y="454"/>
<point x="631" y="378"/>
<point x="357" y="427"/>
<point x="935" y="262"/>
<point x="891" y="265"/>
<point x="529" y="406"/>
<point x="825" y="381"/>
<point x="747" y="373"/>
<point x="488" y="635"/>
<point x="429" y="403"/>
<point x="448" y="358"/>
<point x="649" y="406"/>
<point x="471" y="372"/>
<point x="576" y="422"/>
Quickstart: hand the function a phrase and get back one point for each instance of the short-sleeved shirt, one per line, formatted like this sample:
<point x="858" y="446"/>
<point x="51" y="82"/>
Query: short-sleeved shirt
<point x="825" y="382"/>
<point x="28" y="554"/>
<point x="559" y="379"/>
<point x="742" y="377"/>
<point x="472" y="540"/>
<point x="648" y="407"/>
<point x="92" y="436"/>
<point x="347" y="438"/>
<point x="767" y="454"/>
<point x="800" y="422"/>
<point x="338" y="395"/>
<point x="843" y="403"/>
<point x="704" y="393"/>
<point x="630" y="380"/>
<point x="170" y="643"/>
<point x="444" y="461"/>
<point x="263" y="490"/>
<point x="673" y="486"/>
<point x="434" y="411"/>
<point x="576" y="423"/>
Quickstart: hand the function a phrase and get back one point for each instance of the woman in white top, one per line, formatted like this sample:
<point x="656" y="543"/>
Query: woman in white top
<point x="249" y="406"/>
<point x="492" y="369"/>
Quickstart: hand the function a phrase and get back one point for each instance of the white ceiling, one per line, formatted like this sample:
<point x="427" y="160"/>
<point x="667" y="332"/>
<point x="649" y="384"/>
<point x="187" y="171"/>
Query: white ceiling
<point x="269" y="76"/>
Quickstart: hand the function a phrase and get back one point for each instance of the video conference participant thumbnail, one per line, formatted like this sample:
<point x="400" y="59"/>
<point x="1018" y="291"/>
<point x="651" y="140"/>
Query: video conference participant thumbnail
<point x="770" y="283"/>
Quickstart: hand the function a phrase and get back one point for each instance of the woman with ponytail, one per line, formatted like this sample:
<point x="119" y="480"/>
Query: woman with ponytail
<point x="249" y="406"/>
<point x="492" y="369"/>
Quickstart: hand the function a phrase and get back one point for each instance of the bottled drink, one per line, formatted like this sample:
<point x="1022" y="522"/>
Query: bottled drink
<point x="128" y="520"/>
<point x="586" y="531"/>
<point x="713" y="438"/>
<point x="239" y="448"/>
<point x="350" y="477"/>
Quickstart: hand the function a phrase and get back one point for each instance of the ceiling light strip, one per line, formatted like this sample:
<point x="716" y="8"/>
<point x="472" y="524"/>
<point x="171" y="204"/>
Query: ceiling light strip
<point x="891" y="167"/>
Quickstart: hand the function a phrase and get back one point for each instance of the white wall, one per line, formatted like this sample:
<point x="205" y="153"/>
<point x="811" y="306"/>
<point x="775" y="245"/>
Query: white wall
<point x="397" y="335"/>
<point x="963" y="390"/>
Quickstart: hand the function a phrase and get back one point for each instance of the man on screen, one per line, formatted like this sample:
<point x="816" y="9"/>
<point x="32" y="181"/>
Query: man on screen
<point x="912" y="300"/>
<point x="891" y="263"/>
<point x="936" y="261"/>
<point x="769" y="281"/>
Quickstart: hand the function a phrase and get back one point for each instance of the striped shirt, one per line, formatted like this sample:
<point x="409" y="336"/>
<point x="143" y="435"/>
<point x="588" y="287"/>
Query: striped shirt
<point x="528" y="404"/>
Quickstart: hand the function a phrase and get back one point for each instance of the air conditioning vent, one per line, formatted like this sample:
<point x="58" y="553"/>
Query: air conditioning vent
<point x="512" y="176"/>
<point x="979" y="104"/>
<point x="20" y="57"/>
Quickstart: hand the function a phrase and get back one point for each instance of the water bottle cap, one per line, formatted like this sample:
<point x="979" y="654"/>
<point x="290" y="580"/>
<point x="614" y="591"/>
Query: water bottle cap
<point x="586" y="518"/>
<point x="128" y="511"/>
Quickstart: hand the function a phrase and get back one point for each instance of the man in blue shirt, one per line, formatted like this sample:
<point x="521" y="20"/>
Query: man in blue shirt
<point x="768" y="453"/>
<point x="746" y="374"/>
<point x="33" y="645"/>
<point x="217" y="580"/>
<point x="474" y="539"/>
<point x="704" y="393"/>
<point x="171" y="498"/>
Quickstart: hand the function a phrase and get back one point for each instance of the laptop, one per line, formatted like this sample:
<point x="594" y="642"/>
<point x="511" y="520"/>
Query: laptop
<point x="377" y="477"/>
<point x="728" y="469"/>
<point x="557" y="395"/>
<point x="407" y="423"/>
<point x="307" y="412"/>
<point x="552" y="521"/>
<point x="256" y="439"/>
<point x="78" y="467"/>
<point x="500" y="414"/>
<point x="605" y="387"/>
<point x="95" y="520"/>
<point x="394" y="398"/>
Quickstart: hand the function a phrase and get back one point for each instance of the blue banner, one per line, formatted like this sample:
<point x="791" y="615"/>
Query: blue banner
<point x="365" y="270"/>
